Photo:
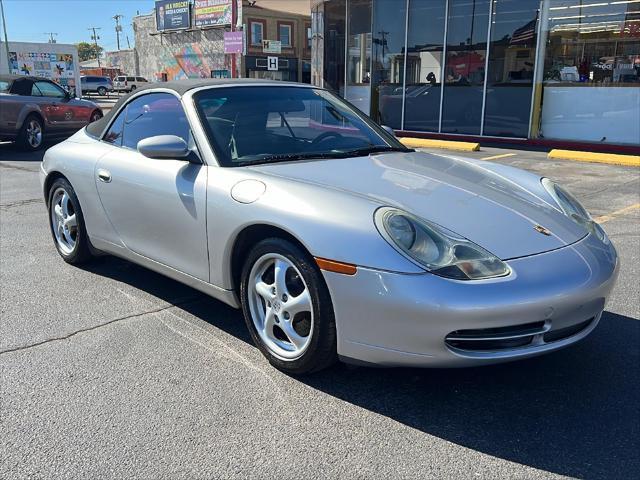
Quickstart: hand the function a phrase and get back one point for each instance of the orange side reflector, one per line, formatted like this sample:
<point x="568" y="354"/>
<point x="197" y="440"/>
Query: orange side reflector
<point x="337" y="267"/>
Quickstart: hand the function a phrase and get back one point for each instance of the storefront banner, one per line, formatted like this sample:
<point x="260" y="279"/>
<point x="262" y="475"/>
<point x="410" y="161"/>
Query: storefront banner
<point x="173" y="15"/>
<point x="212" y="12"/>
<point x="233" y="42"/>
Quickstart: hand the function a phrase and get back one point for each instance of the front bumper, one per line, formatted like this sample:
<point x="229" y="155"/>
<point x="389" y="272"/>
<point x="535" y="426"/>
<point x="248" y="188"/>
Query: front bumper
<point x="395" y="319"/>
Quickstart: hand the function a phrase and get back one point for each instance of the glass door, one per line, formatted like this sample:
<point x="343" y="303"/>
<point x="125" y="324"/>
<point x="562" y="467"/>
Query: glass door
<point x="466" y="55"/>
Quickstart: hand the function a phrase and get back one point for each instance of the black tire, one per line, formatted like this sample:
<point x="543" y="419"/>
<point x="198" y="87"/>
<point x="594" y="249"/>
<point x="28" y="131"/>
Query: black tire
<point x="25" y="140"/>
<point x="321" y="351"/>
<point x="133" y="88"/>
<point x="102" y="91"/>
<point x="95" y="116"/>
<point x="81" y="251"/>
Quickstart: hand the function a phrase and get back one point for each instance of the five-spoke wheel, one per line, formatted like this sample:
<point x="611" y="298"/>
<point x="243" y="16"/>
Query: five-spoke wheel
<point x="287" y="307"/>
<point x="66" y="221"/>
<point x="280" y="305"/>
<point x="31" y="136"/>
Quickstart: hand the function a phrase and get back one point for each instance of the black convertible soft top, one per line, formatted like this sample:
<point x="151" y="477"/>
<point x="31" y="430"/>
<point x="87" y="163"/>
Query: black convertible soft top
<point x="181" y="87"/>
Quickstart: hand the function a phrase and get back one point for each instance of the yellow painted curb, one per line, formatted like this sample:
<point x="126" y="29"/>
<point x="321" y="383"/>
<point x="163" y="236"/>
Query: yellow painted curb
<point x="610" y="158"/>
<point x="446" y="144"/>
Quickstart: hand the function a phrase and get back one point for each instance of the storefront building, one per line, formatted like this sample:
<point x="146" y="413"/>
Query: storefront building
<point x="184" y="39"/>
<point x="542" y="71"/>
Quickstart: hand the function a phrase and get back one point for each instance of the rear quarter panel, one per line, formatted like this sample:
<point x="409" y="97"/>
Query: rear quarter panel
<point x="75" y="159"/>
<point x="13" y="111"/>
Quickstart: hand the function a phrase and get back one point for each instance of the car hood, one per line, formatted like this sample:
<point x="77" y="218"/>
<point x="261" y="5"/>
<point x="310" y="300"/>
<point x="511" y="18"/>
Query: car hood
<point x="460" y="195"/>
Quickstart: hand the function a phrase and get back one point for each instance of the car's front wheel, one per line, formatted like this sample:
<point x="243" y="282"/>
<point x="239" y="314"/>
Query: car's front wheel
<point x="287" y="307"/>
<point x="67" y="223"/>
<point x="102" y="91"/>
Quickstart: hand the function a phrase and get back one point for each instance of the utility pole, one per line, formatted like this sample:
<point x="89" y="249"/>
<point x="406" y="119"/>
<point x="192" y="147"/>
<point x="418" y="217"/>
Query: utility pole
<point x="128" y="44"/>
<point x="117" y="18"/>
<point x="51" y="36"/>
<point x="6" y="40"/>
<point x="95" y="37"/>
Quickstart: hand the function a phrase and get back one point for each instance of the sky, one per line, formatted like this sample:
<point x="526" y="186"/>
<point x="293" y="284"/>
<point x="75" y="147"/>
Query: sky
<point x="28" y="20"/>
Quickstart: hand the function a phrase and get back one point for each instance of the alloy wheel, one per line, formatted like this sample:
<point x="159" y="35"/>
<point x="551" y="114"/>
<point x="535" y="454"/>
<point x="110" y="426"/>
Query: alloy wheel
<point x="34" y="133"/>
<point x="281" y="306"/>
<point x="64" y="222"/>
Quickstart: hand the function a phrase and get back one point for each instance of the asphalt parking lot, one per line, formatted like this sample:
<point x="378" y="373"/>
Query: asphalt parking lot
<point x="113" y="371"/>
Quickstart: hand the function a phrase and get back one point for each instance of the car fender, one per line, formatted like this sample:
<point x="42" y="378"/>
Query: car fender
<point x="329" y="223"/>
<point x="26" y="110"/>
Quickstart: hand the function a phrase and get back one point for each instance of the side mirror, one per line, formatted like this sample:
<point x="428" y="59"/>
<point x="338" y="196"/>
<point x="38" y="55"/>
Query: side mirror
<point x="164" y="147"/>
<point x="389" y="130"/>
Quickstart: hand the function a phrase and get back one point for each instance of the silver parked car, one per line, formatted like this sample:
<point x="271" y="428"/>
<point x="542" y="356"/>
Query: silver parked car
<point x="334" y="239"/>
<point x="96" y="84"/>
<point x="33" y="110"/>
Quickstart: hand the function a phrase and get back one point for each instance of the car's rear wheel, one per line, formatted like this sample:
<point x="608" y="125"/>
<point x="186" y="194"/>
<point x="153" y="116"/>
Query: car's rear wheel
<point x="102" y="91"/>
<point x="133" y="88"/>
<point x="287" y="307"/>
<point x="67" y="223"/>
<point x="31" y="136"/>
<point x="96" y="115"/>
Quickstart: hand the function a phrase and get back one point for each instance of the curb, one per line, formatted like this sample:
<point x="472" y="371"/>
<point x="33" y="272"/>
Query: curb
<point x="445" y="144"/>
<point x="609" y="158"/>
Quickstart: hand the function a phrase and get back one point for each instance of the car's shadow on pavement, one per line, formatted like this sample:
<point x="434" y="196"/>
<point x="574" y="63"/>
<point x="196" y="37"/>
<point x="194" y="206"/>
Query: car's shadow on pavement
<point x="575" y="412"/>
<point x="10" y="152"/>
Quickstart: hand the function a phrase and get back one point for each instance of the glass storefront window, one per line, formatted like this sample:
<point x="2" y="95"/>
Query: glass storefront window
<point x="425" y="45"/>
<point x="359" y="54"/>
<point x="389" y="21"/>
<point x="591" y="71"/>
<point x="334" y="38"/>
<point x="465" y="66"/>
<point x="512" y="55"/>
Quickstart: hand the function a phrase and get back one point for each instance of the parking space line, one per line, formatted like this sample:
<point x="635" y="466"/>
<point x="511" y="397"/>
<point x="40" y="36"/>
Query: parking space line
<point x="617" y="213"/>
<point x="495" y="157"/>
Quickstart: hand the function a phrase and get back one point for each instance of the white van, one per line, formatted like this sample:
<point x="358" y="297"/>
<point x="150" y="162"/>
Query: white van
<point x="123" y="83"/>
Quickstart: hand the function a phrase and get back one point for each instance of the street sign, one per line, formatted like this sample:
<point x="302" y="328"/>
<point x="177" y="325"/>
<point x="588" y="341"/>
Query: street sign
<point x="271" y="46"/>
<point x="272" y="64"/>
<point x="233" y="42"/>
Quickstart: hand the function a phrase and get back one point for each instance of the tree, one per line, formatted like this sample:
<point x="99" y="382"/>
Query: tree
<point x="87" y="51"/>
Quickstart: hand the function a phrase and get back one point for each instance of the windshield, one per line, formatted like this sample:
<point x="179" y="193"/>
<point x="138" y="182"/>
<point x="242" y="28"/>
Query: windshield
<point x="249" y="125"/>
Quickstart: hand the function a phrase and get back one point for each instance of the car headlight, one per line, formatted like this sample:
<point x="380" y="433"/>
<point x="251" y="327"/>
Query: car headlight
<point x="438" y="250"/>
<point x="572" y="209"/>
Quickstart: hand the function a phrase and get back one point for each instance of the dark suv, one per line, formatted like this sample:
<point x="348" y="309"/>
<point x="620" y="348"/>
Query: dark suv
<point x="93" y="84"/>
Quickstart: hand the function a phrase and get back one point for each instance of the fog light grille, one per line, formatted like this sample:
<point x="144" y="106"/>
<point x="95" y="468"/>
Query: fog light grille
<point x="499" y="338"/>
<point x="562" y="333"/>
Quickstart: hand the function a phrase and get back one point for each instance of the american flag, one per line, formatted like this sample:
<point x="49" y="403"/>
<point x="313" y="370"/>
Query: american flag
<point x="525" y="33"/>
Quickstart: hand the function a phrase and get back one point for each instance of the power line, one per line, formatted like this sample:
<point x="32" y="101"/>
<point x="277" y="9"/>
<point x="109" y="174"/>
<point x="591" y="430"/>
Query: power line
<point x="51" y="36"/>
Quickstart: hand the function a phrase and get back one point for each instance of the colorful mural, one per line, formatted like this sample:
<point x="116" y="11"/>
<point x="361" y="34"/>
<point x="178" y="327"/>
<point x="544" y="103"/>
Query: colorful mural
<point x="187" y="62"/>
<point x="55" y="66"/>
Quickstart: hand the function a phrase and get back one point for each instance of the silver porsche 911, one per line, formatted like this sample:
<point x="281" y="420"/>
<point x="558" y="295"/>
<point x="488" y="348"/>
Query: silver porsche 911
<point x="335" y="240"/>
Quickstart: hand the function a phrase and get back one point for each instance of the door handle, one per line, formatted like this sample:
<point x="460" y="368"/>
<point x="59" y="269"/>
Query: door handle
<point x="104" y="176"/>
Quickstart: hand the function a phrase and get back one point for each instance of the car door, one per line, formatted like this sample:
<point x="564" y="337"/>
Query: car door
<point x="157" y="207"/>
<point x="55" y="102"/>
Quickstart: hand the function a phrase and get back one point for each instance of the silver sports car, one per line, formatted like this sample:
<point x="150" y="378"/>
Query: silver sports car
<point x="335" y="240"/>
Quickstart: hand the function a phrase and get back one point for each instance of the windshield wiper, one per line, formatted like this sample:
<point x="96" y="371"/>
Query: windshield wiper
<point x="374" y="149"/>
<point x="267" y="158"/>
<point x="284" y="157"/>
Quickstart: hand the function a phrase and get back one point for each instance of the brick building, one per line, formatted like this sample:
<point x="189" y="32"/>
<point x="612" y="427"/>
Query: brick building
<point x="198" y="52"/>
